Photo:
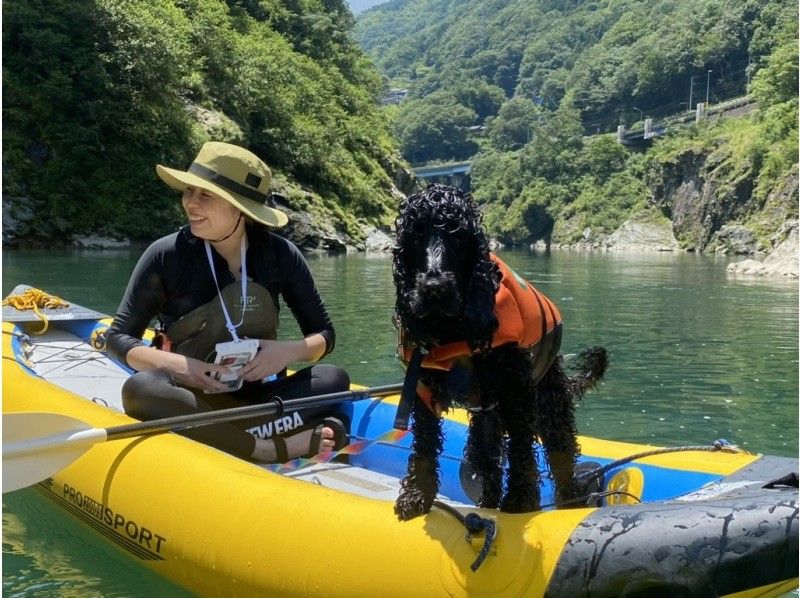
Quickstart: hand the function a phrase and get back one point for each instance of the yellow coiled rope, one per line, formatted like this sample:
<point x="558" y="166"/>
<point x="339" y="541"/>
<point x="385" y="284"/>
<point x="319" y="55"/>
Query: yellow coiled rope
<point x="36" y="299"/>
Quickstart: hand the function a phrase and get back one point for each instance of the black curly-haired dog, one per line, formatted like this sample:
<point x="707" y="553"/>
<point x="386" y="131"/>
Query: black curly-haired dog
<point x="474" y="333"/>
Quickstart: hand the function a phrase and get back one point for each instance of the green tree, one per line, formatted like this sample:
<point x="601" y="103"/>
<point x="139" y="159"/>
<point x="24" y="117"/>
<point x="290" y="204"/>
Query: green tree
<point x="98" y="92"/>
<point x="435" y="127"/>
<point x="512" y="127"/>
<point x="777" y="80"/>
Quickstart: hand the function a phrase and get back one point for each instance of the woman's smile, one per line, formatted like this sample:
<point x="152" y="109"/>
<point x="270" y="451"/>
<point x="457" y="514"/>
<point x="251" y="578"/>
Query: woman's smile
<point x="209" y="215"/>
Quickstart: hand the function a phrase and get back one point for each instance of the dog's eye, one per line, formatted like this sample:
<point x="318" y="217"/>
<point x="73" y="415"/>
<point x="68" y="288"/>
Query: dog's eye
<point x="418" y="227"/>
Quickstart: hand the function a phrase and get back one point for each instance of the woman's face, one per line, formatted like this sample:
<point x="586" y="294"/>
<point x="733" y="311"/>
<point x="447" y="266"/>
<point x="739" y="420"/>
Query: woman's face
<point x="210" y="216"/>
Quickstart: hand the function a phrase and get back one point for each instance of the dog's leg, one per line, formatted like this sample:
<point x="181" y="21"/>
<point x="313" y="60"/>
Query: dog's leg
<point x="522" y="492"/>
<point x="484" y="453"/>
<point x="555" y="412"/>
<point x="419" y="488"/>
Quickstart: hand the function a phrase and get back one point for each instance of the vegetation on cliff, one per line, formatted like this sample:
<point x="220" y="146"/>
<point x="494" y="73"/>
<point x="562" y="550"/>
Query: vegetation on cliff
<point x="96" y="93"/>
<point x="546" y="78"/>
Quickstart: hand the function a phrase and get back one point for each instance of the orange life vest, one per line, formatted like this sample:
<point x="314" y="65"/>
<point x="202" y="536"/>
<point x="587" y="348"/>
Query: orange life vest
<point x="524" y="316"/>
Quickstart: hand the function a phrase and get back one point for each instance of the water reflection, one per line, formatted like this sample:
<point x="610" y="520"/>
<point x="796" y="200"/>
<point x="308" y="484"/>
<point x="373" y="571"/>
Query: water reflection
<point x="46" y="553"/>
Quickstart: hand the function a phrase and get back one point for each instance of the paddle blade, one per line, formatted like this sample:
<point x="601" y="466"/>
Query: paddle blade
<point x="39" y="445"/>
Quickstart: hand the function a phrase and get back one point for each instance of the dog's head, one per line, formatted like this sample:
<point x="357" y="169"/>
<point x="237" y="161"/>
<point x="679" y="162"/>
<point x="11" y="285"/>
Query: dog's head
<point x="444" y="279"/>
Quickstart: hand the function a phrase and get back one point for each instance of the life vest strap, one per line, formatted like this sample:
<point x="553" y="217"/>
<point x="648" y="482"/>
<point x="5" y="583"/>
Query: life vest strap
<point x="409" y="392"/>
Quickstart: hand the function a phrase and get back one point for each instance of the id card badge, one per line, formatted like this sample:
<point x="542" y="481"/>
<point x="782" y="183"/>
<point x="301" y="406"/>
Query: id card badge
<point x="234" y="354"/>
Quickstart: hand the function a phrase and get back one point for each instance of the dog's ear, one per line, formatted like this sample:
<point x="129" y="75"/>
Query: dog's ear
<point x="479" y="317"/>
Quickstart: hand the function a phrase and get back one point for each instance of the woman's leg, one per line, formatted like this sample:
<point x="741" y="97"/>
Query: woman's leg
<point x="295" y="427"/>
<point x="154" y="394"/>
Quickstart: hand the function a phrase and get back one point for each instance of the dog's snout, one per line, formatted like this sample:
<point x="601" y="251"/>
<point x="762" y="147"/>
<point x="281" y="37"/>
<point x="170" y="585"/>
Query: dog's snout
<point x="436" y="291"/>
<point x="435" y="282"/>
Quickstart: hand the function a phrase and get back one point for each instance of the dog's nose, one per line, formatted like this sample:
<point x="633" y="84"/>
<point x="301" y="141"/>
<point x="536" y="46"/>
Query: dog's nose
<point x="437" y="291"/>
<point x="433" y="282"/>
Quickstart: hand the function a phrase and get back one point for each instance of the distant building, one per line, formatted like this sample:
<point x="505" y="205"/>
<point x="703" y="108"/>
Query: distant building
<point x="394" y="96"/>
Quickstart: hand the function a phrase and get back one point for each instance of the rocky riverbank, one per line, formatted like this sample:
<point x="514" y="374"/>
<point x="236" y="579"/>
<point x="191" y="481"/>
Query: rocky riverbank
<point x="644" y="233"/>
<point x="781" y="262"/>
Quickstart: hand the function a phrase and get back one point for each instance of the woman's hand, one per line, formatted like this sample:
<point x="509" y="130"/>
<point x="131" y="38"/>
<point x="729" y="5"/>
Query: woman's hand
<point x="194" y="373"/>
<point x="189" y="372"/>
<point x="272" y="357"/>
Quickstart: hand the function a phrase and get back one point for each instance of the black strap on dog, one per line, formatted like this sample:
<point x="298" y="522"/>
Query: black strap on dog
<point x="409" y="392"/>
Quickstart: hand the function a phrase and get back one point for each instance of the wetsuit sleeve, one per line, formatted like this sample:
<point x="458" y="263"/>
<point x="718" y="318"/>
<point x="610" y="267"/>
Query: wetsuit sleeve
<point x="142" y="301"/>
<point x="301" y="295"/>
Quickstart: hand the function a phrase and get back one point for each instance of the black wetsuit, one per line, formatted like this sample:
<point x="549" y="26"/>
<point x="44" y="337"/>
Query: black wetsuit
<point x="172" y="279"/>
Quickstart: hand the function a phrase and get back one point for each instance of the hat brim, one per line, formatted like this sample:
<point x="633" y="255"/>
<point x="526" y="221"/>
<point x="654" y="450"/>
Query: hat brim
<point x="180" y="180"/>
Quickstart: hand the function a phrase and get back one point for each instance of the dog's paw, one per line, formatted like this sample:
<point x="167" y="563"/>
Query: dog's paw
<point x="411" y="504"/>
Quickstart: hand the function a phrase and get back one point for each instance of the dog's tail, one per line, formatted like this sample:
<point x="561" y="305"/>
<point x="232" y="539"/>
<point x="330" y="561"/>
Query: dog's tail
<point x="589" y="367"/>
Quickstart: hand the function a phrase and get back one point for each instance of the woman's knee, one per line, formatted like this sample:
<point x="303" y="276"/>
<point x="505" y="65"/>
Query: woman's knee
<point x="140" y="393"/>
<point x="333" y="377"/>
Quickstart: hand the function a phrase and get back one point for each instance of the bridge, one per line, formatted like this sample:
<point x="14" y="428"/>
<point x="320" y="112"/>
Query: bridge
<point x="455" y="174"/>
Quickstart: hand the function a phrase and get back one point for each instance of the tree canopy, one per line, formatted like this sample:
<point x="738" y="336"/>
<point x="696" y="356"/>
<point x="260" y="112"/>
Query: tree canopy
<point x="545" y="163"/>
<point x="98" y="92"/>
<point x="608" y="55"/>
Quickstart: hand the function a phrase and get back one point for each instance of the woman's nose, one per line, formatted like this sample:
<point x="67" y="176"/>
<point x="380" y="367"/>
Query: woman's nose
<point x="190" y="197"/>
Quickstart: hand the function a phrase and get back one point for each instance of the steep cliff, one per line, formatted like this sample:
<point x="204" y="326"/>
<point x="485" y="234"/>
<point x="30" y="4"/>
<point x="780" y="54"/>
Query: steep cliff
<point x="709" y="196"/>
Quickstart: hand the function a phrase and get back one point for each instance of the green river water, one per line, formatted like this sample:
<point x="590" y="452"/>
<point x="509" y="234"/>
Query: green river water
<point x="694" y="357"/>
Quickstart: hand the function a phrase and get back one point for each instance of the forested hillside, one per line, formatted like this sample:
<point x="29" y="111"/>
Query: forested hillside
<point x="543" y="79"/>
<point x="97" y="92"/>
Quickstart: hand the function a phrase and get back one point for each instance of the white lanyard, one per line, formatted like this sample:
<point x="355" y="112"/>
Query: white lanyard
<point x="228" y="324"/>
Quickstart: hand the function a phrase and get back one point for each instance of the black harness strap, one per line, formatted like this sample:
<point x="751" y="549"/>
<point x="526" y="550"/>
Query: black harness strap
<point x="409" y="392"/>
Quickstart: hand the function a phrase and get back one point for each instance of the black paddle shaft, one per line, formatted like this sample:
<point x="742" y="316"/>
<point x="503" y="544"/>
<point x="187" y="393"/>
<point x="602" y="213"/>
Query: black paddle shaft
<point x="276" y="406"/>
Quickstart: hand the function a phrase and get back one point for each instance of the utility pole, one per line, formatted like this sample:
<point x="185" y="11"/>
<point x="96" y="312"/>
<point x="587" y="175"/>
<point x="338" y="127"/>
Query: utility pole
<point x="708" y="81"/>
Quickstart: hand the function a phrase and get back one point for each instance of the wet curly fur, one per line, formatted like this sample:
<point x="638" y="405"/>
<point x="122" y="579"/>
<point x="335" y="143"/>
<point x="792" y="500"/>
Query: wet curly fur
<point x="446" y="287"/>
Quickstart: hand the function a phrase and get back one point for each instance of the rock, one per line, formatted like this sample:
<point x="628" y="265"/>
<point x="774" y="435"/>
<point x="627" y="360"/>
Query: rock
<point x="403" y="178"/>
<point x="101" y="242"/>
<point x="634" y="235"/>
<point x="495" y="244"/>
<point x="216" y="124"/>
<point x="377" y="241"/>
<point x="18" y="216"/>
<point x="747" y="268"/>
<point x="540" y="246"/>
<point x="782" y="261"/>
<point x="734" y="239"/>
<point x="315" y="235"/>
<point x="701" y="191"/>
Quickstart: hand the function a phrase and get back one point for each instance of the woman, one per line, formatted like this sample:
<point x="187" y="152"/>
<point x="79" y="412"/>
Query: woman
<point x="217" y="280"/>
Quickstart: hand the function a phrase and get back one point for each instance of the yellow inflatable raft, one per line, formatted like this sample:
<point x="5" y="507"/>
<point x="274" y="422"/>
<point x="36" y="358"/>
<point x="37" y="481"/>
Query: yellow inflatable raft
<point x="220" y="526"/>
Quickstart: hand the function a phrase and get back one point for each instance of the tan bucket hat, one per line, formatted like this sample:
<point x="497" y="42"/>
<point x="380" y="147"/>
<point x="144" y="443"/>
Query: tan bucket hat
<point x="235" y="174"/>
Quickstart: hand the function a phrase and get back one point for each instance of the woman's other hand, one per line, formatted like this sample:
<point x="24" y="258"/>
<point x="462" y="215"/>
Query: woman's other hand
<point x="272" y="357"/>
<point x="275" y="356"/>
